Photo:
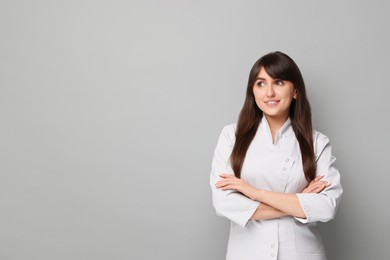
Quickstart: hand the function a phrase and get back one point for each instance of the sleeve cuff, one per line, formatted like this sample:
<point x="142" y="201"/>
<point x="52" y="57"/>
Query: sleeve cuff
<point x="305" y="209"/>
<point x="244" y="217"/>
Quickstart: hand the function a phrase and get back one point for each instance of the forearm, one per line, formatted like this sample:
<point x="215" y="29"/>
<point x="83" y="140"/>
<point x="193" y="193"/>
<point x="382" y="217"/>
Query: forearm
<point x="265" y="212"/>
<point x="286" y="203"/>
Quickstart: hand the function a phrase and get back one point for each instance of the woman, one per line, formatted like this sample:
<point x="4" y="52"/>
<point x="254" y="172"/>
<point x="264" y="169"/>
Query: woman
<point x="272" y="175"/>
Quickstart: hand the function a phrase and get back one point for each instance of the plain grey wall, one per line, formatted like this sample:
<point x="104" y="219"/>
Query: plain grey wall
<point x="110" y="112"/>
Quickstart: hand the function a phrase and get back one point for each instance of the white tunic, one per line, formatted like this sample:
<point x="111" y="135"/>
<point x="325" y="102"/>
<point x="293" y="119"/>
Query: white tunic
<point x="275" y="167"/>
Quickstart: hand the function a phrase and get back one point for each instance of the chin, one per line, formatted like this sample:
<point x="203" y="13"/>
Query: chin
<point x="274" y="114"/>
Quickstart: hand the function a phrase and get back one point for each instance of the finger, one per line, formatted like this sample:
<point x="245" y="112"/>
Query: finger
<point x="224" y="182"/>
<point x="229" y="187"/>
<point x="321" y="188"/>
<point x="224" y="175"/>
<point x="315" y="190"/>
<point x="321" y="183"/>
<point x="311" y="189"/>
<point x="221" y="184"/>
<point x="318" y="183"/>
<point x="316" y="187"/>
<point x="308" y="190"/>
<point x="318" y="178"/>
<point x="312" y="181"/>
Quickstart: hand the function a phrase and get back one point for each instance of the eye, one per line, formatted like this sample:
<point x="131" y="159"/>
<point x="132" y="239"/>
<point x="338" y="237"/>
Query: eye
<point x="260" y="84"/>
<point x="279" y="82"/>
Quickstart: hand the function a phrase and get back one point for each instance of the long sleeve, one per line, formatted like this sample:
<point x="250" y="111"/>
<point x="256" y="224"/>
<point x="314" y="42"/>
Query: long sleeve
<point x="323" y="206"/>
<point x="230" y="204"/>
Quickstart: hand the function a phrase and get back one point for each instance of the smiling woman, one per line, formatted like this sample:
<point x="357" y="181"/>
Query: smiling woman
<point x="273" y="96"/>
<point x="272" y="175"/>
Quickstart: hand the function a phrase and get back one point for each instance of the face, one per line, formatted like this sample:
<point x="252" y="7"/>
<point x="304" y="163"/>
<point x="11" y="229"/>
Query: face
<point x="273" y="96"/>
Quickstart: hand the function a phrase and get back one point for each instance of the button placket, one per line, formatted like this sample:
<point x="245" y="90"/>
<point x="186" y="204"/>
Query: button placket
<point x="273" y="252"/>
<point x="285" y="169"/>
<point x="286" y="164"/>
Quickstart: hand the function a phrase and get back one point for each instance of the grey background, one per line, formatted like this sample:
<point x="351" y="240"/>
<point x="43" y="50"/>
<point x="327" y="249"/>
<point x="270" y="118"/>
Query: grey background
<point x="110" y="112"/>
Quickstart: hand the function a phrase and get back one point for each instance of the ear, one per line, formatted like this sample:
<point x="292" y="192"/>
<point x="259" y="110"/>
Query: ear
<point x="295" y="94"/>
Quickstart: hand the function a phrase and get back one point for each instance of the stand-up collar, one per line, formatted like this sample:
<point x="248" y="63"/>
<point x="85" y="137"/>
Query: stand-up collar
<point x="284" y="131"/>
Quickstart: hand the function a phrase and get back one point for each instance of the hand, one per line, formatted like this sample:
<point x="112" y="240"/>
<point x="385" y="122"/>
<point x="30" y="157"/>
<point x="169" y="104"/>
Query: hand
<point x="231" y="182"/>
<point x="316" y="185"/>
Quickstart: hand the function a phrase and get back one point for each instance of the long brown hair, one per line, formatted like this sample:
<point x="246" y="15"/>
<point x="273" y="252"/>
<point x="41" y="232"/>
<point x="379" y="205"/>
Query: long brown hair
<point x="280" y="66"/>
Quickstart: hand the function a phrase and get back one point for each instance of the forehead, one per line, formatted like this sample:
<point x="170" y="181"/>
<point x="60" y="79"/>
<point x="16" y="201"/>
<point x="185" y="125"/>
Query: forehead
<point x="263" y="74"/>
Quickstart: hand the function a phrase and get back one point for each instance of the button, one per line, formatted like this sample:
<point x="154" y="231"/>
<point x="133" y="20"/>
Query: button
<point x="272" y="245"/>
<point x="272" y="255"/>
<point x="284" y="168"/>
<point x="287" y="160"/>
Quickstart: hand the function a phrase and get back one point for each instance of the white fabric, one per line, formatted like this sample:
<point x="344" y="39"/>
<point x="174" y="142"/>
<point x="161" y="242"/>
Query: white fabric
<point x="275" y="167"/>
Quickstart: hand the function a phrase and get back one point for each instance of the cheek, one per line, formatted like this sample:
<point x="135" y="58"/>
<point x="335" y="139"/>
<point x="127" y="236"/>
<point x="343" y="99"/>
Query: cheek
<point x="257" y="97"/>
<point x="288" y="95"/>
<point x="288" y="99"/>
<point x="257" y="93"/>
<point x="259" y="103"/>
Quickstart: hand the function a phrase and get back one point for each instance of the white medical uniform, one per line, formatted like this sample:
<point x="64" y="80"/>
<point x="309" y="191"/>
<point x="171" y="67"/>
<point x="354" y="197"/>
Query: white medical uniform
<point x="275" y="167"/>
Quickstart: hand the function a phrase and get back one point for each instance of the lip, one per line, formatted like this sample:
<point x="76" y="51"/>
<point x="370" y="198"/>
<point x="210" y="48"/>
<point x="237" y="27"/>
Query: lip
<point x="272" y="103"/>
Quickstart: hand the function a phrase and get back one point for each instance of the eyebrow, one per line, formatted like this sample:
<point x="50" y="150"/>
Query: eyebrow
<point x="259" y="78"/>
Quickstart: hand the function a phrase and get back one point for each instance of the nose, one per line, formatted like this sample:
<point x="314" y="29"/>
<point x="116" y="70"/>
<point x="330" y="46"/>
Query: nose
<point x="270" y="91"/>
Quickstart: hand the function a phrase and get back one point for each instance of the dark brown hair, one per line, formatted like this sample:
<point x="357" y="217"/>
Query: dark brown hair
<point x="280" y="66"/>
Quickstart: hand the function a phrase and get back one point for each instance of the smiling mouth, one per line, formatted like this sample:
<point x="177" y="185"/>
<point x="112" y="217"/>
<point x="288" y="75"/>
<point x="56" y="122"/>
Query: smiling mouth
<point x="272" y="102"/>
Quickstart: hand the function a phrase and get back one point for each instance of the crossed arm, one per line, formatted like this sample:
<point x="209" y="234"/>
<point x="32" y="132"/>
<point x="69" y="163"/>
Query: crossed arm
<point x="273" y="204"/>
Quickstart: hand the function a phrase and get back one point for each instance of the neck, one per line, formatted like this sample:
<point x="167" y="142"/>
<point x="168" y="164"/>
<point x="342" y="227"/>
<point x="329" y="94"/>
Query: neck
<point x="275" y="123"/>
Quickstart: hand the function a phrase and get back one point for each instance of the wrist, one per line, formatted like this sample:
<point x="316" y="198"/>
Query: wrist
<point x="258" y="195"/>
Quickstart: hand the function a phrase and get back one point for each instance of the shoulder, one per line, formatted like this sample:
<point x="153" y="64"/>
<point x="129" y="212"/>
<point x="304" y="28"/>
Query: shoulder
<point x="320" y="142"/>
<point x="229" y="133"/>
